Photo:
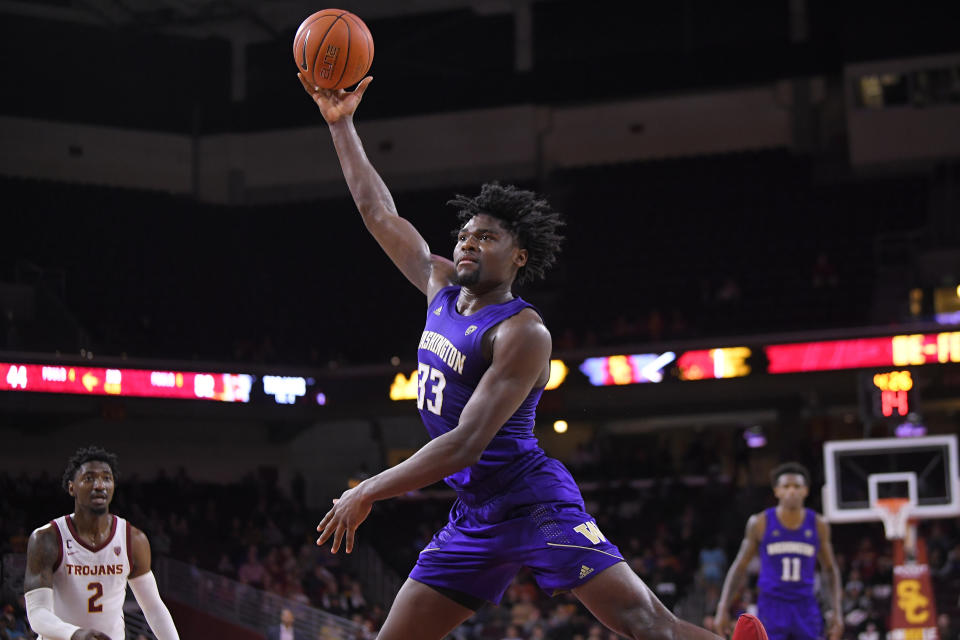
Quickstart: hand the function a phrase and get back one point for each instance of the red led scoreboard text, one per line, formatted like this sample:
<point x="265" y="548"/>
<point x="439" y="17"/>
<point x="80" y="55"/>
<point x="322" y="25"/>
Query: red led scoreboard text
<point x="142" y="383"/>
<point x="862" y="353"/>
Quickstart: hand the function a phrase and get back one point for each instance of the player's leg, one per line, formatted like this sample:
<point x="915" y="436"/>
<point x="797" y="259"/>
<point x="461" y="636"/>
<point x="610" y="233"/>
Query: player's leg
<point x="620" y="600"/>
<point x="779" y="618"/>
<point x="420" y="611"/>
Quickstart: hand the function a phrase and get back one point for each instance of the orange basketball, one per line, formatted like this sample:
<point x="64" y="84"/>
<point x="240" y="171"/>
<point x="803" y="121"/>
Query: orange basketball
<point x="333" y="49"/>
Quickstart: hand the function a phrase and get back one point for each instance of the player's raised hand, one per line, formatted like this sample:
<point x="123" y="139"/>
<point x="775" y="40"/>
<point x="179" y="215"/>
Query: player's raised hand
<point x="89" y="634"/>
<point x="338" y="104"/>
<point x="722" y="624"/>
<point x="836" y="628"/>
<point x="348" y="512"/>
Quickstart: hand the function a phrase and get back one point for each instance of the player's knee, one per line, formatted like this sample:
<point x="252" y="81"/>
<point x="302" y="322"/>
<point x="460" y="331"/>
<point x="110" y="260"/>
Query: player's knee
<point x="642" y="623"/>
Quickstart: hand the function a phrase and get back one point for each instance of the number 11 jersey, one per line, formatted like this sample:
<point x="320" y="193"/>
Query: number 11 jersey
<point x="788" y="557"/>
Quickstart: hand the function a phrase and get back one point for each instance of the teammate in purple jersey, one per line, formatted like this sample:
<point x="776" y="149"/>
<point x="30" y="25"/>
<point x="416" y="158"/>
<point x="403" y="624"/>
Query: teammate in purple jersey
<point x="790" y="540"/>
<point x="484" y="358"/>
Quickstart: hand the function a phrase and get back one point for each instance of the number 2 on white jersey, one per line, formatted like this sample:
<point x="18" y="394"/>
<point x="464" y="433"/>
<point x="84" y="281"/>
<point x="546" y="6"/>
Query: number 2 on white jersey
<point x="424" y="373"/>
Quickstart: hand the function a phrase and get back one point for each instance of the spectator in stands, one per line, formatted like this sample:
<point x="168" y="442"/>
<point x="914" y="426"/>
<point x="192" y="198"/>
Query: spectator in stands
<point x="252" y="572"/>
<point x="225" y="566"/>
<point x="713" y="563"/>
<point x="946" y="629"/>
<point x="512" y="633"/>
<point x="284" y="630"/>
<point x="871" y="632"/>
<point x="12" y="626"/>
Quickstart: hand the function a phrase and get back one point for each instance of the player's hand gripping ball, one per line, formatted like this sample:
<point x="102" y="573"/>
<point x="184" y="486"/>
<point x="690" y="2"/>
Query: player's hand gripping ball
<point x="333" y="49"/>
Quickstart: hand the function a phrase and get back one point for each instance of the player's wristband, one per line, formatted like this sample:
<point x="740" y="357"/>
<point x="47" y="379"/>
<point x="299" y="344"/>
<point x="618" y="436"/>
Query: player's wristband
<point x="41" y="617"/>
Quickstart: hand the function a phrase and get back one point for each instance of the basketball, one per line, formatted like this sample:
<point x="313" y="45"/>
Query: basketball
<point x="333" y="49"/>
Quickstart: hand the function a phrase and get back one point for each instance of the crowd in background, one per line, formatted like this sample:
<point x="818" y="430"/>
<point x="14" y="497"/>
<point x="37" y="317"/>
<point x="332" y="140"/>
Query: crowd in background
<point x="262" y="535"/>
<point x="658" y="278"/>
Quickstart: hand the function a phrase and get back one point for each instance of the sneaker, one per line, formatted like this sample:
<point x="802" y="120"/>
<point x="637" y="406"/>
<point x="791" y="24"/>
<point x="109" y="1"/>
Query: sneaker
<point x="749" y="628"/>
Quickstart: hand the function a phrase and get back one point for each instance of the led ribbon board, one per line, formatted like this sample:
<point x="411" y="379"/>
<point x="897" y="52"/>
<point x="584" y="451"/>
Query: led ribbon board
<point x="889" y="351"/>
<point x="140" y="383"/>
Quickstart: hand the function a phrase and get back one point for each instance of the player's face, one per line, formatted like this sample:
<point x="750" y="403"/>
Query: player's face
<point x="791" y="490"/>
<point x="92" y="486"/>
<point x="486" y="253"/>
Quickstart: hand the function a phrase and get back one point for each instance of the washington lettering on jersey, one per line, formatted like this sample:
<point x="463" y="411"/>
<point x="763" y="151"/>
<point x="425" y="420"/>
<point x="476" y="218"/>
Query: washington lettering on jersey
<point x="792" y="548"/>
<point x="96" y="570"/>
<point x="438" y="343"/>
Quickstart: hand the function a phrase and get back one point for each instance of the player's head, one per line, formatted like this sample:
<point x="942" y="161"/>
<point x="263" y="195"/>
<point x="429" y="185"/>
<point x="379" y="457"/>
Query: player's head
<point x="505" y="234"/>
<point x="791" y="484"/>
<point x="90" y="477"/>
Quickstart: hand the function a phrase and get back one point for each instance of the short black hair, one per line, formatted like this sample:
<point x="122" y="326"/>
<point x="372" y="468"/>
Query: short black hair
<point x="526" y="215"/>
<point x="789" y="467"/>
<point x="84" y="455"/>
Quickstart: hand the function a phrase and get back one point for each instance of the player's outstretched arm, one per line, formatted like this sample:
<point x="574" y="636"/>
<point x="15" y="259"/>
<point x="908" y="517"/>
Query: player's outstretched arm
<point x="43" y="553"/>
<point x="521" y="352"/>
<point x="731" y="584"/>
<point x="830" y="577"/>
<point x="398" y="238"/>
<point x="144" y="587"/>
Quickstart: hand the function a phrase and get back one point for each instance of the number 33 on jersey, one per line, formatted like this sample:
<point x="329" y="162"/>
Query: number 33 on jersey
<point x="434" y="378"/>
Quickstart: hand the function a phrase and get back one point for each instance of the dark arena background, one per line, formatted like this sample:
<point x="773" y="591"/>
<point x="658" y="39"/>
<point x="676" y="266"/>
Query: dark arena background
<point x="762" y="255"/>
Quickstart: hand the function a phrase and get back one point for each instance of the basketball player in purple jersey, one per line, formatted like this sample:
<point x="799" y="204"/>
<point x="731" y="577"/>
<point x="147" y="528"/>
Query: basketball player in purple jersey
<point x="484" y="358"/>
<point x="790" y="539"/>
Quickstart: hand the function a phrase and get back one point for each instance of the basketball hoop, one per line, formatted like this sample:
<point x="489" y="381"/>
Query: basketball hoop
<point x="895" y="514"/>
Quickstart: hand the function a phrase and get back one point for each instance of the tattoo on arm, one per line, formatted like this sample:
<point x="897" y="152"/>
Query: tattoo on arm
<point x="43" y="549"/>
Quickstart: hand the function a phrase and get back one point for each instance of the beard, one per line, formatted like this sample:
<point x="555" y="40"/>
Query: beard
<point x="99" y="510"/>
<point x="468" y="279"/>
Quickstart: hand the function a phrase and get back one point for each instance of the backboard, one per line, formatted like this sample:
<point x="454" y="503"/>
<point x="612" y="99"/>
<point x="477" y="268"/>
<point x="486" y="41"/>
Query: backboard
<point x="859" y="472"/>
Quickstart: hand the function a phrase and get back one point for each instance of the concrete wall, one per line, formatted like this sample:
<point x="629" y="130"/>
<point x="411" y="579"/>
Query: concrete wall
<point x="509" y="143"/>
<point x="901" y="133"/>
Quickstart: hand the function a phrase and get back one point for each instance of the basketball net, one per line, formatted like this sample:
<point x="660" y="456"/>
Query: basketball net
<point x="895" y="513"/>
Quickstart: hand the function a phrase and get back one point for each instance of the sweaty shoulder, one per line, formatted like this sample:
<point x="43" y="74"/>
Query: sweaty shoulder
<point x="45" y="539"/>
<point x="139" y="552"/>
<point x="43" y="554"/>
<point x="757" y="525"/>
<point x="822" y="524"/>
<point x="526" y="326"/>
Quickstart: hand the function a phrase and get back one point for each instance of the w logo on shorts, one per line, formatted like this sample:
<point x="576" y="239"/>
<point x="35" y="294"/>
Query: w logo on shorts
<point x="591" y="532"/>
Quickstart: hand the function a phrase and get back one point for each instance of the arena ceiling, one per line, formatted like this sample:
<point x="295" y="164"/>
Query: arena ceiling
<point x="249" y="20"/>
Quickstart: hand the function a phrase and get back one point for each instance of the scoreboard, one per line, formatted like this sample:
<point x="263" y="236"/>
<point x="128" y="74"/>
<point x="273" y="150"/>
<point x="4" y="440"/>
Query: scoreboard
<point x="143" y="383"/>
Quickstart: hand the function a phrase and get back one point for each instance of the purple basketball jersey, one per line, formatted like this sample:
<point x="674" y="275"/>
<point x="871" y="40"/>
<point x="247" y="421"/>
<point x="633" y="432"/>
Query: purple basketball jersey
<point x="788" y="558"/>
<point x="451" y="364"/>
<point x="515" y="507"/>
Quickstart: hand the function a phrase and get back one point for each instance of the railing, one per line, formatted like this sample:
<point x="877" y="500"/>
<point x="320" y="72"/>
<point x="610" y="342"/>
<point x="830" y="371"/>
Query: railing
<point x="242" y="605"/>
<point x="380" y="583"/>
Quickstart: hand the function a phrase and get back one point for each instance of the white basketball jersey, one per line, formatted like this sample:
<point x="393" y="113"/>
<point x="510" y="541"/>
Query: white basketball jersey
<point x="90" y="584"/>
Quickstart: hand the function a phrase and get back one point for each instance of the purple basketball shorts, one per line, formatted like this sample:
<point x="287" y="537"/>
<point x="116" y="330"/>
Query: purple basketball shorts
<point x="479" y="555"/>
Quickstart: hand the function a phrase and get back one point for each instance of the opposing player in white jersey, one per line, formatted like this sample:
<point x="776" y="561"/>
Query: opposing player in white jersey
<point x="79" y="565"/>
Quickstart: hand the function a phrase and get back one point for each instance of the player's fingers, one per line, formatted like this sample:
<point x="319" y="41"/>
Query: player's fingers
<point x="348" y="547"/>
<point x="322" y="525"/>
<point x="306" y="85"/>
<point x="325" y="520"/>
<point x="337" y="539"/>
<point x="363" y="86"/>
<point x="323" y="537"/>
<point x="326" y="532"/>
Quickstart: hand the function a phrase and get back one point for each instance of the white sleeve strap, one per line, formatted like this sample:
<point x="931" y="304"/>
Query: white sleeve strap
<point x="158" y="616"/>
<point x="41" y="617"/>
